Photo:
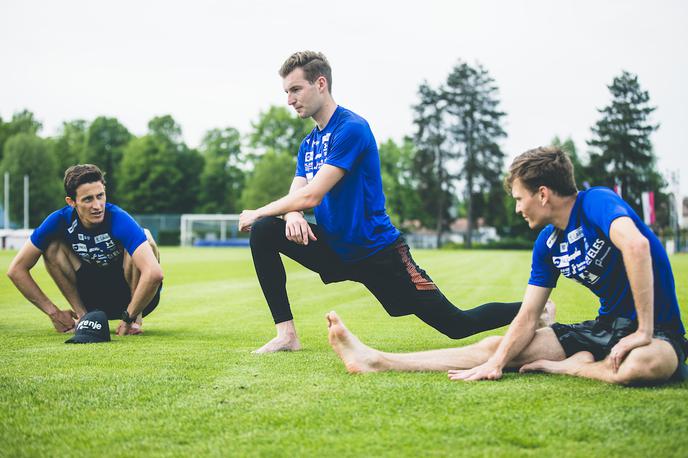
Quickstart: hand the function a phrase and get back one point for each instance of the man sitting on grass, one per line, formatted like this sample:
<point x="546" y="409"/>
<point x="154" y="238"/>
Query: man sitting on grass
<point x="98" y="256"/>
<point x="595" y="238"/>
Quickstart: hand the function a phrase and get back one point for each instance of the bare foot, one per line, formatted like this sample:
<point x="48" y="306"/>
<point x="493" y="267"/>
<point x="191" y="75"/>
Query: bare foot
<point x="547" y="318"/>
<point x="280" y="343"/>
<point x="568" y="366"/>
<point x="135" y="329"/>
<point x="357" y="357"/>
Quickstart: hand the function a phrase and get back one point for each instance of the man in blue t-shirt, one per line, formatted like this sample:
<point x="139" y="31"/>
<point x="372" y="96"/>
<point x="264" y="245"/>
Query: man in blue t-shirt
<point x="594" y="238"/>
<point x="98" y="256"/>
<point x="338" y="175"/>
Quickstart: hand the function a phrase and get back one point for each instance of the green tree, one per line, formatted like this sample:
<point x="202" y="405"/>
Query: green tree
<point x="279" y="130"/>
<point x="22" y="122"/>
<point x="159" y="173"/>
<point x="396" y="165"/>
<point x="472" y="106"/>
<point x="70" y="145"/>
<point x="27" y="154"/>
<point x="106" y="139"/>
<point x="222" y="181"/>
<point x="269" y="180"/>
<point x="621" y="146"/>
<point x="430" y="170"/>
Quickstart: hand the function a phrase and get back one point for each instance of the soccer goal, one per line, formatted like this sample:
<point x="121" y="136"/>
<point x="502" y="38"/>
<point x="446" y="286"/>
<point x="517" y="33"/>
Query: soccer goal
<point x="211" y="230"/>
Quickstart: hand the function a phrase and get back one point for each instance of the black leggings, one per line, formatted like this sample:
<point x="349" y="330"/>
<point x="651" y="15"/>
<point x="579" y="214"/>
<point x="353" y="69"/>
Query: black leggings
<point x="401" y="286"/>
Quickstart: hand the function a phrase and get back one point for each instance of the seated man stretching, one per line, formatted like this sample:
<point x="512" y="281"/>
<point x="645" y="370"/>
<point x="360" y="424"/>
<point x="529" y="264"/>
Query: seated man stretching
<point x="98" y="256"/>
<point x="595" y="238"/>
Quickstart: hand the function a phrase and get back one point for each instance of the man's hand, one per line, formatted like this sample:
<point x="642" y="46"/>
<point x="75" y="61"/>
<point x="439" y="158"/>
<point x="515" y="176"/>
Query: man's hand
<point x="126" y="329"/>
<point x="486" y="371"/>
<point x="624" y="346"/>
<point x="63" y="320"/>
<point x="246" y="220"/>
<point x="297" y="228"/>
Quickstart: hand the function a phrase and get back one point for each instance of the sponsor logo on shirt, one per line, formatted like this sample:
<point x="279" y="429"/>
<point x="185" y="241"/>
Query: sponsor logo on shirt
<point x="102" y="238"/>
<point x="552" y="238"/>
<point x="563" y="246"/>
<point x="79" y="247"/>
<point x="575" y="235"/>
<point x="73" y="226"/>
<point x="565" y="259"/>
<point x="309" y="176"/>
<point x="308" y="156"/>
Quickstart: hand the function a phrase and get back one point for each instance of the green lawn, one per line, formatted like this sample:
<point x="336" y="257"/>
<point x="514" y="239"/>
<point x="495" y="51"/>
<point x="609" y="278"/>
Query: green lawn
<point x="190" y="386"/>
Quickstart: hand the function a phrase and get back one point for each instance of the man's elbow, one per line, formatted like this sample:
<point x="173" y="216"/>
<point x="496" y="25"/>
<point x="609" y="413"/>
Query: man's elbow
<point x="155" y="275"/>
<point x="312" y="200"/>
<point x="13" y="273"/>
<point x="639" y="247"/>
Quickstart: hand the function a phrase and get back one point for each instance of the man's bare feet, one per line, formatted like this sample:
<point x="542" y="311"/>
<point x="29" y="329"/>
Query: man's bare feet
<point x="286" y="340"/>
<point x="568" y="366"/>
<point x="280" y="343"/>
<point x="357" y="357"/>
<point x="548" y="318"/>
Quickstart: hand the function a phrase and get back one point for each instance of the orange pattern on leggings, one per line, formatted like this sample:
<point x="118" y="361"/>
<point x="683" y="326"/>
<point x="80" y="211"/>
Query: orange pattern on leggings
<point x="421" y="283"/>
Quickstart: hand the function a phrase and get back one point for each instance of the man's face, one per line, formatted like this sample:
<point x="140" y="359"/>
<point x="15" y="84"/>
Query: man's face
<point x="528" y="204"/>
<point x="305" y="97"/>
<point x="89" y="203"/>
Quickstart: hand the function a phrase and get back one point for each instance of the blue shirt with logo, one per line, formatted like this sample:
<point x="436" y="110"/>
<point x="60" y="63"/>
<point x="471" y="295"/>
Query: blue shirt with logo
<point x="585" y="253"/>
<point x="101" y="246"/>
<point x="353" y="212"/>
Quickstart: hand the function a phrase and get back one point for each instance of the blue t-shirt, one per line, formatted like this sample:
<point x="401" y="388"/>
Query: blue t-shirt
<point x="585" y="253"/>
<point x="100" y="246"/>
<point x="353" y="212"/>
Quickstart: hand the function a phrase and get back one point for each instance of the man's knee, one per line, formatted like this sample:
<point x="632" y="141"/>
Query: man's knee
<point x="264" y="230"/>
<point x="653" y="363"/>
<point x="57" y="253"/>
<point x="491" y="343"/>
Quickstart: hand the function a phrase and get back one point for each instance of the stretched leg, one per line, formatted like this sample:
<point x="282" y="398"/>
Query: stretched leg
<point x="62" y="264"/>
<point x="358" y="357"/>
<point x="268" y="240"/>
<point x="652" y="363"/>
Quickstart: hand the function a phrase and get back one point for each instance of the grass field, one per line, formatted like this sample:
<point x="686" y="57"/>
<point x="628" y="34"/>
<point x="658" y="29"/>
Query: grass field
<point x="190" y="386"/>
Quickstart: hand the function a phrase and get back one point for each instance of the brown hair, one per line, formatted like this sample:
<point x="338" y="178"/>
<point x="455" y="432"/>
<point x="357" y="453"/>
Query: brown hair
<point x="544" y="166"/>
<point x="314" y="65"/>
<point x="79" y="174"/>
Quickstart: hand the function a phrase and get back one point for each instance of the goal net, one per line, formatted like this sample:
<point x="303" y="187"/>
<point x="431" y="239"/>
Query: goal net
<point x="211" y="230"/>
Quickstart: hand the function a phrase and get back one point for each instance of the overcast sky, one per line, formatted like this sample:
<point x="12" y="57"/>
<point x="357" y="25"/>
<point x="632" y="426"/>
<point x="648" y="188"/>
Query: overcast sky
<point x="214" y="63"/>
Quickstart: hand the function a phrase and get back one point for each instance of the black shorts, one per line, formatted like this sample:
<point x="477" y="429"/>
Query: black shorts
<point x="599" y="336"/>
<point x="105" y="288"/>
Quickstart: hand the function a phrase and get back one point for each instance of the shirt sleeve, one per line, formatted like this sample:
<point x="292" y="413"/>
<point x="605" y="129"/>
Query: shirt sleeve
<point x="602" y="206"/>
<point x="127" y="231"/>
<point x="542" y="271"/>
<point x="300" y="171"/>
<point x="347" y="145"/>
<point x="48" y="231"/>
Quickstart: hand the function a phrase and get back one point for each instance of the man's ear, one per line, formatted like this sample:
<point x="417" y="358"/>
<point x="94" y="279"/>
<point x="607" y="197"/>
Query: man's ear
<point x="70" y="202"/>
<point x="544" y="194"/>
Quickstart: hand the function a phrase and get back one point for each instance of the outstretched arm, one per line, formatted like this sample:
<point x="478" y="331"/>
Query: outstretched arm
<point x="518" y="336"/>
<point x="19" y="273"/>
<point x="151" y="276"/>
<point x="300" y="199"/>
<point x="635" y="249"/>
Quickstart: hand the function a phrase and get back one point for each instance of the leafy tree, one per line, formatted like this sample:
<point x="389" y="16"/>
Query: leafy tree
<point x="222" y="181"/>
<point x="159" y="173"/>
<point x="22" y="122"/>
<point x="70" y="144"/>
<point x="106" y="139"/>
<point x="396" y="164"/>
<point x="430" y="163"/>
<point x="270" y="179"/>
<point x="622" y="149"/>
<point x="475" y="129"/>
<point x="27" y="154"/>
<point x="279" y="130"/>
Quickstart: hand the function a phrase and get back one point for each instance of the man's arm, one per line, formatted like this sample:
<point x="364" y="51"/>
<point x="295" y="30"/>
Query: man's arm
<point x="517" y="338"/>
<point x="297" y="228"/>
<point x="635" y="249"/>
<point x="149" y="280"/>
<point x="19" y="273"/>
<point x="300" y="199"/>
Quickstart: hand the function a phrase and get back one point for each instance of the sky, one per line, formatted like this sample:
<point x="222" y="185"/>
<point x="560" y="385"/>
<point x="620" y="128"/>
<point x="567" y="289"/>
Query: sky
<point x="213" y="64"/>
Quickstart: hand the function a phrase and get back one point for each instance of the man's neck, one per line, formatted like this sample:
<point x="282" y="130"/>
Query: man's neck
<point x="562" y="214"/>
<point x="323" y="115"/>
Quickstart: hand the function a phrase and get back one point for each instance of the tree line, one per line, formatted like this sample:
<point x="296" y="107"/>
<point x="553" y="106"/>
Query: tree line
<point x="451" y="166"/>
